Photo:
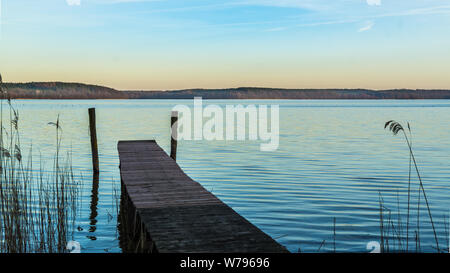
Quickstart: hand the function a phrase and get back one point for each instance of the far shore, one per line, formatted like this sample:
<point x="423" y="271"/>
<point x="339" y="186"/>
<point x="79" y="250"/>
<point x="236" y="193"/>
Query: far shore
<point x="61" y="90"/>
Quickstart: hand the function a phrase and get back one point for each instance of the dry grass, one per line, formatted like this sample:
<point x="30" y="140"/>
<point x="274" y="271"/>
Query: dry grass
<point x="396" y="236"/>
<point x="37" y="211"/>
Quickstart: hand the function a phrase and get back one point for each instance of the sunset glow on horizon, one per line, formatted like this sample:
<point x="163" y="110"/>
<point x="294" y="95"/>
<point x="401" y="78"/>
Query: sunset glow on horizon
<point x="172" y="44"/>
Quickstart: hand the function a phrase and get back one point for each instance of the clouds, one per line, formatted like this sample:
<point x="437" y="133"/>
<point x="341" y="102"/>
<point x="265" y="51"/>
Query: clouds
<point x="276" y="15"/>
<point x="368" y="26"/>
<point x="374" y="2"/>
<point x="122" y="1"/>
<point x="73" y="2"/>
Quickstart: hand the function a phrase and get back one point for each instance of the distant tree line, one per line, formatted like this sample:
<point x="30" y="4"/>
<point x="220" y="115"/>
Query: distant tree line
<point x="60" y="90"/>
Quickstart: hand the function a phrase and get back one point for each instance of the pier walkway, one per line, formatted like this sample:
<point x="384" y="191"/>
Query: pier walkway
<point x="180" y="215"/>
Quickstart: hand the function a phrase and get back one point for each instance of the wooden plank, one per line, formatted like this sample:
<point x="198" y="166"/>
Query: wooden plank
<point x="178" y="213"/>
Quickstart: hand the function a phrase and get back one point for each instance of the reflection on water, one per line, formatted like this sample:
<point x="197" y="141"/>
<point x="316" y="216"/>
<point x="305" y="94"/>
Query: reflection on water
<point x="333" y="161"/>
<point x="94" y="203"/>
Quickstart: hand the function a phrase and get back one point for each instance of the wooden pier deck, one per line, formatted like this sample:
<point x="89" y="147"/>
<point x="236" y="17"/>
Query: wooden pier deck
<point x="179" y="214"/>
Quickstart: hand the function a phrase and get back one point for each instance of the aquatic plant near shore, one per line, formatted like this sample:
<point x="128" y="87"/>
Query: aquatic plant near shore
<point x="393" y="236"/>
<point x="37" y="212"/>
<point x="395" y="128"/>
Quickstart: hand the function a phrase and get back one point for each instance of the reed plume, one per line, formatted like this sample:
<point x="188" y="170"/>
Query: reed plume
<point x="36" y="212"/>
<point x="396" y="128"/>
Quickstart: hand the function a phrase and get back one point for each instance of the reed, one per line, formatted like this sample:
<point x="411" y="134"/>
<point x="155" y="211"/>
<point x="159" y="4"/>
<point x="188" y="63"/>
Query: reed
<point x="390" y="231"/>
<point x="37" y="211"/>
<point x="395" y="235"/>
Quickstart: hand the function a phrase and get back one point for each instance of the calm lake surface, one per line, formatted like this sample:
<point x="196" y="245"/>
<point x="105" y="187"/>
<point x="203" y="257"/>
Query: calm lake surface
<point x="333" y="161"/>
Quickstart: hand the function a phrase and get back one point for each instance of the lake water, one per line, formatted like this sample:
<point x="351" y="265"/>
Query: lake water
<point x="333" y="161"/>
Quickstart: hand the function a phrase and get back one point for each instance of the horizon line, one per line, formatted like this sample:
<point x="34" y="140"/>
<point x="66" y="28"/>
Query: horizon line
<point x="226" y="88"/>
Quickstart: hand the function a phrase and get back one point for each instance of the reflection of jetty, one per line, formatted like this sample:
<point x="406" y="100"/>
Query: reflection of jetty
<point x="164" y="210"/>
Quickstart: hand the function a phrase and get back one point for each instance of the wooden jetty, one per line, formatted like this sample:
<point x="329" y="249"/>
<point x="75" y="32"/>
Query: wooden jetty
<point x="168" y="212"/>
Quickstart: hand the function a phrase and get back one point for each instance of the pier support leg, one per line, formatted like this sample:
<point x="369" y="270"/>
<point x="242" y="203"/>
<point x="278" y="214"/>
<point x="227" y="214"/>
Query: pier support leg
<point x="94" y="148"/>
<point x="174" y="135"/>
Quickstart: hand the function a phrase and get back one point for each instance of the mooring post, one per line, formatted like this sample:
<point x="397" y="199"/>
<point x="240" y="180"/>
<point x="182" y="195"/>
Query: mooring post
<point x="174" y="135"/>
<point x="94" y="202"/>
<point x="94" y="147"/>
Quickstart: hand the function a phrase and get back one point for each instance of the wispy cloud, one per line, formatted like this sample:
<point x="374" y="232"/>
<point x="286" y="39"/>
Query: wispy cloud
<point x="374" y="2"/>
<point x="324" y="23"/>
<point x="368" y="26"/>
<point x="443" y="9"/>
<point x="122" y="1"/>
<point x="275" y="29"/>
<point x="73" y="2"/>
<point x="322" y="12"/>
<point x="316" y="5"/>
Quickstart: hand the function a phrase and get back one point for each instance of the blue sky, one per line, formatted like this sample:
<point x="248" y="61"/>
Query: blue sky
<point x="171" y="44"/>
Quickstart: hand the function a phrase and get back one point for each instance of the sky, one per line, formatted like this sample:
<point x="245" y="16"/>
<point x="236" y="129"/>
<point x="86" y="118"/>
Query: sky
<point x="178" y="44"/>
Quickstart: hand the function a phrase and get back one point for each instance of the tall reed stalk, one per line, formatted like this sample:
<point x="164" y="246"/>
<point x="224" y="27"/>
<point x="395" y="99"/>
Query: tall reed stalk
<point x="395" y="128"/>
<point x="37" y="211"/>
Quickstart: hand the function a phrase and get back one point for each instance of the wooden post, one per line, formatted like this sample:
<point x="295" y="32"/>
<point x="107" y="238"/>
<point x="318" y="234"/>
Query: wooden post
<point x="94" y="148"/>
<point x="94" y="203"/>
<point x="173" y="135"/>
